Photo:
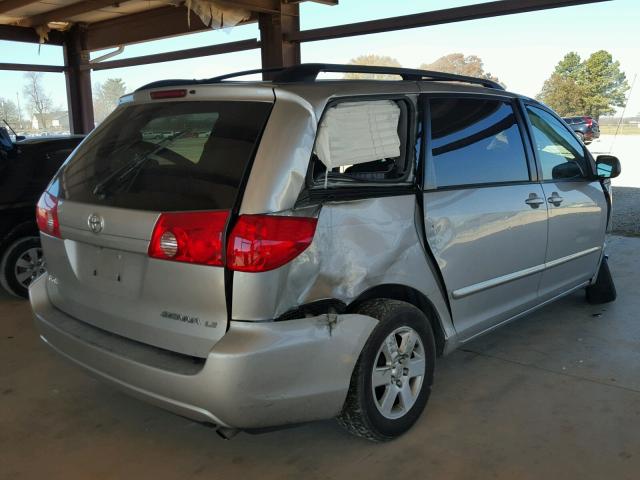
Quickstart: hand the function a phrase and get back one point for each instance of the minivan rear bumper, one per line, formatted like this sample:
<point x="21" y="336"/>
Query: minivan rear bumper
<point x="260" y="374"/>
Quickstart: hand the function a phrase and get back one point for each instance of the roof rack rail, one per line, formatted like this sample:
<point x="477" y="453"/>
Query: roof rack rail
<point x="244" y="73"/>
<point x="184" y="81"/>
<point x="308" y="72"/>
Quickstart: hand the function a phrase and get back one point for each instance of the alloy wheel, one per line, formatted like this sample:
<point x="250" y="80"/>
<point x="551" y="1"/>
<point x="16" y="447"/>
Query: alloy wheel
<point x="398" y="373"/>
<point x="29" y="266"/>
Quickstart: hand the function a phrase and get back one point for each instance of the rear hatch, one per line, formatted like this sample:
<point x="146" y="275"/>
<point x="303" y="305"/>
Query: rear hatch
<point x="179" y="156"/>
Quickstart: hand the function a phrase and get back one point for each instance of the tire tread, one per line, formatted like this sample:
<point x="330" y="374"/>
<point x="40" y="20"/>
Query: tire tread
<point x="353" y="417"/>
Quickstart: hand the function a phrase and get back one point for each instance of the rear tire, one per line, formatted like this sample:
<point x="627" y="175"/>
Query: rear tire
<point x="603" y="289"/>
<point x="580" y="136"/>
<point x="22" y="262"/>
<point x="391" y="381"/>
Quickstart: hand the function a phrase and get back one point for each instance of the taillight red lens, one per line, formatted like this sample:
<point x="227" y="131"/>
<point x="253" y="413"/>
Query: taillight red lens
<point x="588" y="121"/>
<point x="47" y="215"/>
<point x="263" y="242"/>
<point x="192" y="237"/>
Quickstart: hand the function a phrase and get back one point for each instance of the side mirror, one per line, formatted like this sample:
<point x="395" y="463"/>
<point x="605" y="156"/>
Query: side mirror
<point x="607" y="166"/>
<point x="567" y="170"/>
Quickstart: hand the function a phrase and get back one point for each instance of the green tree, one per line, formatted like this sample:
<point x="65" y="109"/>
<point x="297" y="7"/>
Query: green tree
<point x="106" y="96"/>
<point x="591" y="87"/>
<point x="569" y="65"/>
<point x="564" y="95"/>
<point x="372" y="59"/>
<point x="460" y="64"/>
<point x="605" y="85"/>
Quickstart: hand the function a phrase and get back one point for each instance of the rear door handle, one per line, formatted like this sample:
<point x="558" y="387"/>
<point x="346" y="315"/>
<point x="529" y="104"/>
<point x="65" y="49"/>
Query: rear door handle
<point x="555" y="199"/>
<point x="534" y="201"/>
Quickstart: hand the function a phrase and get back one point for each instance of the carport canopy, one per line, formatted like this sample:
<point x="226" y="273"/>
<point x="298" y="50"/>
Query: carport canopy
<point x="81" y="27"/>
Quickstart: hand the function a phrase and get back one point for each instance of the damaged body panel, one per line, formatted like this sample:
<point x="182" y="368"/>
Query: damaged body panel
<point x="358" y="245"/>
<point x="258" y="375"/>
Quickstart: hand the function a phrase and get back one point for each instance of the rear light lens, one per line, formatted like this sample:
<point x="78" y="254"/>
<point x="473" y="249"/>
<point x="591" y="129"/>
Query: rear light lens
<point x="47" y="215"/>
<point x="161" y="94"/>
<point x="588" y="121"/>
<point x="191" y="237"/>
<point x="259" y="243"/>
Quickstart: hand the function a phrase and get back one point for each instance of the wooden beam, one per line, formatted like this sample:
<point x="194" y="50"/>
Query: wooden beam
<point x="324" y="2"/>
<point x="262" y="6"/>
<point x="64" y="13"/>
<point x="179" y="55"/>
<point x="30" y="67"/>
<point x="22" y="34"/>
<point x="9" y="5"/>
<point x="436" y="17"/>
<point x="275" y="50"/>
<point x="75" y="9"/>
<point x="78" y="80"/>
<point x="140" y="27"/>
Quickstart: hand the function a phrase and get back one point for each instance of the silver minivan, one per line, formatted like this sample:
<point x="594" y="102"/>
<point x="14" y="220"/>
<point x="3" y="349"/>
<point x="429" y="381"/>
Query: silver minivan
<point x="261" y="253"/>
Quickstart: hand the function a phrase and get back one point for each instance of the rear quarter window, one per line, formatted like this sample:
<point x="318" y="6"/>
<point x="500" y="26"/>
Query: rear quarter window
<point x="362" y="143"/>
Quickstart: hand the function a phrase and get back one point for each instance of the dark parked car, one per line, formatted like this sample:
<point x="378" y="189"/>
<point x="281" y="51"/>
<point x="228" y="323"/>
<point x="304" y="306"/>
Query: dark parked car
<point x="26" y="166"/>
<point x="585" y="127"/>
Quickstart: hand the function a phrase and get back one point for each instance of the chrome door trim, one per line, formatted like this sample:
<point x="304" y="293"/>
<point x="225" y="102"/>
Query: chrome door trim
<point x="573" y="256"/>
<point x="494" y="282"/>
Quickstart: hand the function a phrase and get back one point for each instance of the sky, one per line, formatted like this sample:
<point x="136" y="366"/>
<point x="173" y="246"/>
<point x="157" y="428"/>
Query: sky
<point x="521" y="50"/>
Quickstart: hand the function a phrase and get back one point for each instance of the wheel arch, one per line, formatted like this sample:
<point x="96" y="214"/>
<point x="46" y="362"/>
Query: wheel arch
<point x="23" y="229"/>
<point x="412" y="296"/>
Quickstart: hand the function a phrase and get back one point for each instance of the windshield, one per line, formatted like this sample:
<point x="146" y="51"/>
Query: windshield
<point x="167" y="156"/>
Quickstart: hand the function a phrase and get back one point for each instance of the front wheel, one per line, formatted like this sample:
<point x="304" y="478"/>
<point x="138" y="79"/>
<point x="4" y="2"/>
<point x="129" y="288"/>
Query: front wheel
<point x="21" y="264"/>
<point x="392" y="379"/>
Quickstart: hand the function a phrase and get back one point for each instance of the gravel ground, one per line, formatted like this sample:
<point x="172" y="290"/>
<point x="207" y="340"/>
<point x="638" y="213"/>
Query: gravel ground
<point x="626" y="211"/>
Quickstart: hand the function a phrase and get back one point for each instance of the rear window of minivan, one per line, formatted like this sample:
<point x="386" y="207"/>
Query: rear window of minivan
<point x="168" y="156"/>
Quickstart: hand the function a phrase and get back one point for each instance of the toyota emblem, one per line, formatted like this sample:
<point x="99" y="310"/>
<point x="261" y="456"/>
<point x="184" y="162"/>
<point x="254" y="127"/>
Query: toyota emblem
<point x="95" y="222"/>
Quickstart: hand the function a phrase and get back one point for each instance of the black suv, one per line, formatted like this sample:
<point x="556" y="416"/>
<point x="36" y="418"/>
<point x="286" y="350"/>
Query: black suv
<point x="585" y="127"/>
<point x="26" y="167"/>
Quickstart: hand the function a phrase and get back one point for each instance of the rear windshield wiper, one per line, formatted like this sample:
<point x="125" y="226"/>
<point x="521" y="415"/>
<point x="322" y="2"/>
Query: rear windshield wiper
<point x="118" y="176"/>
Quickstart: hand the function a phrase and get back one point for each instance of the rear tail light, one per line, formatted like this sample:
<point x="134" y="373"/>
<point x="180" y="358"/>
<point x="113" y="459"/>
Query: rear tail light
<point x="257" y="243"/>
<point x="191" y="237"/>
<point x="588" y="121"/>
<point x="47" y="215"/>
<point x="263" y="242"/>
